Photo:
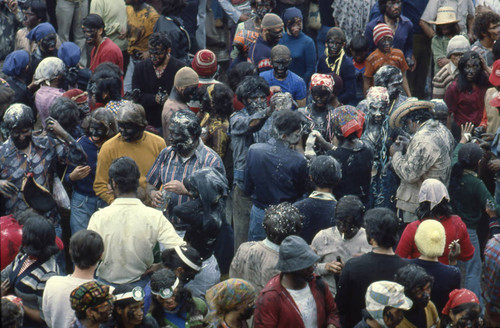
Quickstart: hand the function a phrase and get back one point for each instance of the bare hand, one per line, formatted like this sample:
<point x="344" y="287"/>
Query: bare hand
<point x="177" y="187"/>
<point x="275" y="89"/>
<point x="4" y="288"/>
<point x="144" y="55"/>
<point x="442" y="61"/>
<point x="156" y="197"/>
<point x="412" y="68"/>
<point x="494" y="165"/>
<point x="244" y="17"/>
<point x="455" y="251"/>
<point x="334" y="267"/>
<point x="465" y="132"/>
<point x="79" y="173"/>
<point x="12" y="4"/>
<point x="8" y="189"/>
<point x="53" y="126"/>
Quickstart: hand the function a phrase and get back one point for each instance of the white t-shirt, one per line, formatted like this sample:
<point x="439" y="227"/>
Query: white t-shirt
<point x="307" y="306"/>
<point x="56" y="307"/>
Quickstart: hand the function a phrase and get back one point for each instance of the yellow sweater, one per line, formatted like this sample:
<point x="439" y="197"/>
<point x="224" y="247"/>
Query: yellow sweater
<point x="143" y="152"/>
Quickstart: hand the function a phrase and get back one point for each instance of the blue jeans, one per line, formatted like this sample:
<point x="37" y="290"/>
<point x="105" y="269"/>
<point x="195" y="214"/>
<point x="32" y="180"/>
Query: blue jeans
<point x="82" y="208"/>
<point x="256" y="230"/>
<point x="321" y="39"/>
<point x="473" y="267"/>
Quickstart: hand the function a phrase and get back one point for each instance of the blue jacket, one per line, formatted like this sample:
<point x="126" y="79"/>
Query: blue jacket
<point x="403" y="38"/>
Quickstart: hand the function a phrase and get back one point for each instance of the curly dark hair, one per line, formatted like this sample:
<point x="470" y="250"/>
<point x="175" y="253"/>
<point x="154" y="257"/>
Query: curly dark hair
<point x="249" y="86"/>
<point x="67" y="113"/>
<point x="218" y="101"/>
<point x="125" y="173"/>
<point x="159" y="39"/>
<point x="482" y="23"/>
<point x="39" y="238"/>
<point x="106" y="81"/>
<point x="381" y="224"/>
<point x="462" y="82"/>
<point x="238" y="72"/>
<point x="412" y="276"/>
<point x="281" y="221"/>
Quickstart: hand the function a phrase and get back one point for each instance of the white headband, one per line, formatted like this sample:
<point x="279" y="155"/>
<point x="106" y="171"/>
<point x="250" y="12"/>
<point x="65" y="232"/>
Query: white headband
<point x="167" y="292"/>
<point x="186" y="260"/>
<point x="137" y="294"/>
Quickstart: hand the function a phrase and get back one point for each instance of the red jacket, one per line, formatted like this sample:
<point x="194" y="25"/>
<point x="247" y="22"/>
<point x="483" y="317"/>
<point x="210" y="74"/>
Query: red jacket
<point x="454" y="229"/>
<point x="276" y="308"/>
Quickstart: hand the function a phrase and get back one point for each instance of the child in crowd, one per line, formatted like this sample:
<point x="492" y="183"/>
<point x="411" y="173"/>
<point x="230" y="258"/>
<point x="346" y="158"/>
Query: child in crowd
<point x="358" y="48"/>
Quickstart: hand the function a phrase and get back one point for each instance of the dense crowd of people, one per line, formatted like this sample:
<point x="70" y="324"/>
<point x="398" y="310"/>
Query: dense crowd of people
<point x="250" y="163"/>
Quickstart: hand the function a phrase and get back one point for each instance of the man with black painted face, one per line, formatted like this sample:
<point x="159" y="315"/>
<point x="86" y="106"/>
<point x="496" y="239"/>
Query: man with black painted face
<point x="155" y="77"/>
<point x="275" y="172"/>
<point x="418" y="285"/>
<point x="283" y="78"/>
<point x="23" y="153"/>
<point x="44" y="35"/>
<point x="391" y="78"/>
<point x="185" y="154"/>
<point x="132" y="141"/>
<point x="252" y="92"/>
<point x="259" y="52"/>
<point x="103" y="48"/>
<point x="185" y="89"/>
<point x="335" y="60"/>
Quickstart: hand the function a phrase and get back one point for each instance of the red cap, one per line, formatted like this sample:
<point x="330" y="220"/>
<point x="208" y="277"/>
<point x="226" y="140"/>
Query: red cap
<point x="77" y="95"/>
<point x="495" y="74"/>
<point x="459" y="297"/>
<point x="205" y="63"/>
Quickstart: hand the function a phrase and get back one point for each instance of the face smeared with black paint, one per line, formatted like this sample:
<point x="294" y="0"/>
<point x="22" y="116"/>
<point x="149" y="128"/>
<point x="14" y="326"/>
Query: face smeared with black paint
<point x="294" y="26"/>
<point x="130" y="132"/>
<point x="169" y="304"/>
<point x="378" y="111"/>
<point x="347" y="227"/>
<point x="334" y="45"/>
<point x="321" y="96"/>
<point x="385" y="44"/>
<point x="262" y="8"/>
<point x="421" y="295"/>
<point x="21" y="137"/>
<point x="30" y="18"/>
<point x="273" y="35"/>
<point x="280" y="65"/>
<point x="189" y="93"/>
<point x="180" y="139"/>
<point x="158" y="55"/>
<point x="91" y="35"/>
<point x="472" y="69"/>
<point x="97" y="132"/>
<point x="256" y="102"/>
<point x="48" y="44"/>
<point x="133" y="313"/>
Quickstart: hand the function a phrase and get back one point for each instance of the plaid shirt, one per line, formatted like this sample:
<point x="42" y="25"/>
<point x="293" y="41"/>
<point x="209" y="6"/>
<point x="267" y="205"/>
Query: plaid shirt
<point x="491" y="290"/>
<point x="45" y="152"/>
<point x="169" y="166"/>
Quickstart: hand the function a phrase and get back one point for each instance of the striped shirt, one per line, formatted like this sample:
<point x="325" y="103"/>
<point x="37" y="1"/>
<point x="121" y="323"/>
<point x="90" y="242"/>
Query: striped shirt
<point x="170" y="166"/>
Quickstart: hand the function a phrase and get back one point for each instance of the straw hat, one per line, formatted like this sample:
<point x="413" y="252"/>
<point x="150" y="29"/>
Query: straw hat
<point x="408" y="106"/>
<point x="445" y="15"/>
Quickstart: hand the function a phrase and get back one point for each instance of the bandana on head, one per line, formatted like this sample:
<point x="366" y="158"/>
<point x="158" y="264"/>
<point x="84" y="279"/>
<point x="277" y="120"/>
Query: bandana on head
<point x="230" y="295"/>
<point x="459" y="297"/>
<point x="40" y="31"/>
<point x="15" y="62"/>
<point x="48" y="69"/>
<point x="348" y="120"/>
<point x="322" y="79"/>
<point x="433" y="191"/>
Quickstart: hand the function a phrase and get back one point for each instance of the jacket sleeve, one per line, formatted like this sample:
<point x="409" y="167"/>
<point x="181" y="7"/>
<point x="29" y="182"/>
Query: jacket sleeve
<point x="332" y="313"/>
<point x="266" y="310"/>
<point x="406" y="242"/>
<point x="416" y="162"/>
<point x="147" y="100"/>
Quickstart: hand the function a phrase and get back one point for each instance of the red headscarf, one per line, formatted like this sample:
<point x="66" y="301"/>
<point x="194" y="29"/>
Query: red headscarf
<point x="459" y="297"/>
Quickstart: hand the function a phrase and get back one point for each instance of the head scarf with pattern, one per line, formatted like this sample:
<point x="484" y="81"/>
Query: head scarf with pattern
<point x="347" y="120"/>
<point x="48" y="69"/>
<point x="229" y="295"/>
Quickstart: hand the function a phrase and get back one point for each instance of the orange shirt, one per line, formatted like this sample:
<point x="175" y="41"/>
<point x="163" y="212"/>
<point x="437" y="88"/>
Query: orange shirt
<point x="378" y="59"/>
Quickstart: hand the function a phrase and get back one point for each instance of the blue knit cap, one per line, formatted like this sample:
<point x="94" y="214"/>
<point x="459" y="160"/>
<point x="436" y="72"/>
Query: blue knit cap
<point x="40" y="31"/>
<point x="15" y="62"/>
<point x="291" y="13"/>
<point x="69" y="53"/>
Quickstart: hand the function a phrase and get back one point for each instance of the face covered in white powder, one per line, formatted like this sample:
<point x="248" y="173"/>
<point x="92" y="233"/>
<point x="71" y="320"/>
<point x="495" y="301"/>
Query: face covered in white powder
<point x="181" y="137"/>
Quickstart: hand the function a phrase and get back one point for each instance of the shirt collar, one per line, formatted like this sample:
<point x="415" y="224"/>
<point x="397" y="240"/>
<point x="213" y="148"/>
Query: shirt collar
<point x="271" y="245"/>
<point x="322" y="195"/>
<point x="126" y="201"/>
